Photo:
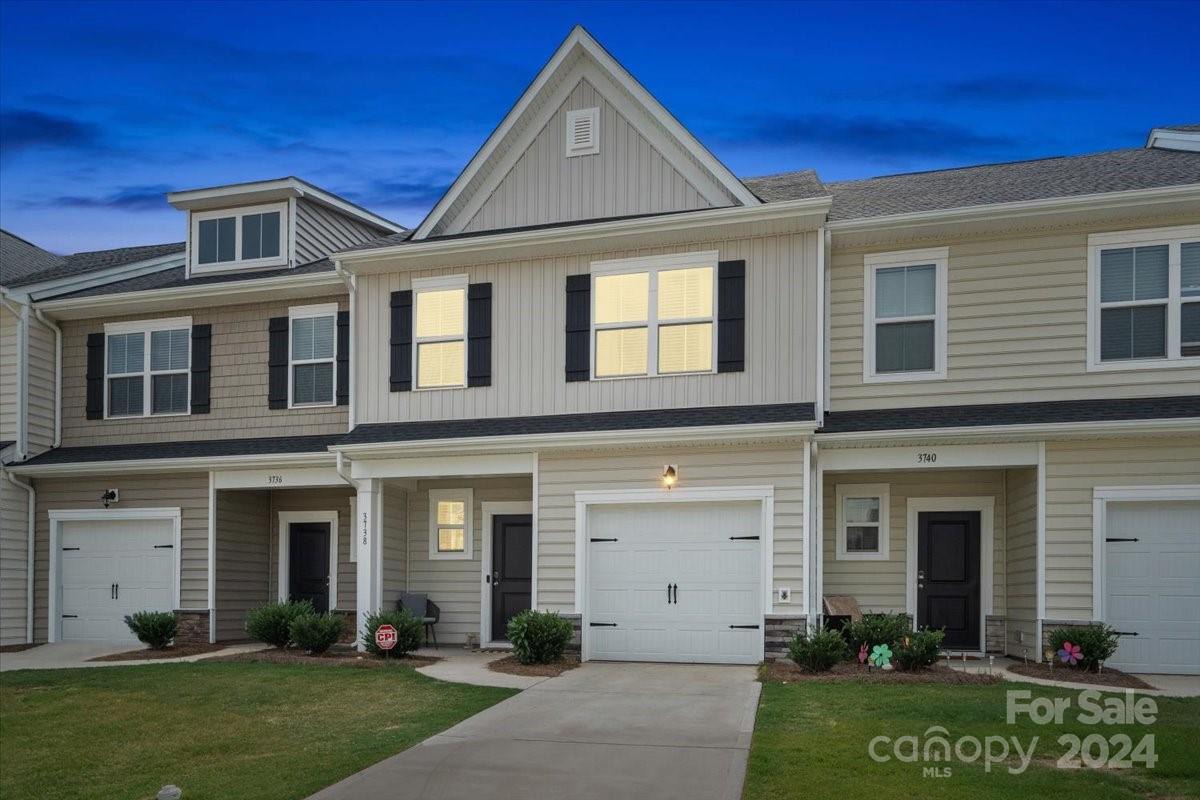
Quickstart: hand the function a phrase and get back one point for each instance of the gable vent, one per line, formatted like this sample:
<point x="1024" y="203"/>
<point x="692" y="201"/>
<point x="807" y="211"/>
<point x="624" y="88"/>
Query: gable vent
<point x="583" y="132"/>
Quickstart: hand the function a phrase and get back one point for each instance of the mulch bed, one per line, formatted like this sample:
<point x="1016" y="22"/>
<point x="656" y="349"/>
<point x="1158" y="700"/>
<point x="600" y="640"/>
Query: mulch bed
<point x="175" y="651"/>
<point x="1109" y="677"/>
<point x="510" y="665"/>
<point x="848" y="671"/>
<point x="16" y="648"/>
<point x="333" y="658"/>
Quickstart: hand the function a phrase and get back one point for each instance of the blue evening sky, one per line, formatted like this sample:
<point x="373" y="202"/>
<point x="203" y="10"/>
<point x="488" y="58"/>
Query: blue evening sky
<point x="106" y="106"/>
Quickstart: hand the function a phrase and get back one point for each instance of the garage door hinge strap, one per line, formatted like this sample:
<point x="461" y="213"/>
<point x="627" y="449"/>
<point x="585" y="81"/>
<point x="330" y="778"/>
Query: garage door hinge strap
<point x="603" y="540"/>
<point x="602" y="624"/>
<point x="70" y="616"/>
<point x="70" y="548"/>
<point x="1120" y="540"/>
<point x="748" y="627"/>
<point x="1125" y="633"/>
<point x="161" y="546"/>
<point x="736" y="538"/>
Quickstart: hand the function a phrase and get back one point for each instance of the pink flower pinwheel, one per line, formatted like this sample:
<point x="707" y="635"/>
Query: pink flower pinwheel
<point x="1070" y="653"/>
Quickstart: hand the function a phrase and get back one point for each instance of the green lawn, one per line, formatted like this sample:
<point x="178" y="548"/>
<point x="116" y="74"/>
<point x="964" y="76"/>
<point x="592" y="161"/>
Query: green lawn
<point x="811" y="740"/>
<point x="218" y="730"/>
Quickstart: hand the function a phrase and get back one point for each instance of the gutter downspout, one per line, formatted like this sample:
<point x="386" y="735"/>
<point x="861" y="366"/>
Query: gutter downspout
<point x="29" y="556"/>
<point x="351" y="282"/>
<point x="58" y="336"/>
<point x="341" y="469"/>
<point x="22" y="315"/>
<point x="826" y="252"/>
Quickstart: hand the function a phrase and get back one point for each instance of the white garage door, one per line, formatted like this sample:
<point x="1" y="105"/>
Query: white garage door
<point x="1152" y="585"/>
<point x="111" y="568"/>
<point x="675" y="582"/>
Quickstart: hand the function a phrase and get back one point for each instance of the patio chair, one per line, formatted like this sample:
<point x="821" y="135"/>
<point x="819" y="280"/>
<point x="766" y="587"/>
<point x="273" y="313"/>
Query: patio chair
<point x="420" y="606"/>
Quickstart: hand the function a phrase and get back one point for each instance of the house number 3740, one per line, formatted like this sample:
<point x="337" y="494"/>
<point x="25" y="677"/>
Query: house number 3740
<point x="926" y="458"/>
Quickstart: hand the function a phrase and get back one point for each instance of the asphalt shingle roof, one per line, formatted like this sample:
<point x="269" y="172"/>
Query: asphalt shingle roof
<point x="19" y="258"/>
<point x="175" y="278"/>
<point x="200" y="449"/>
<point x="797" y="185"/>
<point x="80" y="263"/>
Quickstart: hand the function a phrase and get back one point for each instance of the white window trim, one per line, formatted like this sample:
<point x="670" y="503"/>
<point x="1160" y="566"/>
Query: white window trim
<point x="872" y="263"/>
<point x="1173" y="237"/>
<point x="652" y="265"/>
<point x="286" y="518"/>
<point x="440" y="283"/>
<point x="467" y="497"/>
<point x="880" y="490"/>
<point x="238" y="263"/>
<point x="594" y="147"/>
<point x="309" y="312"/>
<point x="146" y="327"/>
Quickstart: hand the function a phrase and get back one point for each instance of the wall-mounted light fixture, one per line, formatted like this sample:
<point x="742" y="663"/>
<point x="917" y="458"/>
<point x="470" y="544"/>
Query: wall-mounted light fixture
<point x="110" y="496"/>
<point x="670" y="476"/>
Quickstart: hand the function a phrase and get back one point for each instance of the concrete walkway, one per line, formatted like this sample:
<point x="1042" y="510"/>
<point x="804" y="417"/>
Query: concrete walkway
<point x="470" y="666"/>
<point x="668" y="732"/>
<point x="69" y="655"/>
<point x="1164" y="685"/>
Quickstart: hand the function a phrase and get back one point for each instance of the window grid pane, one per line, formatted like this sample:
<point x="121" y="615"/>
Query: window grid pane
<point x="226" y="238"/>
<point x="904" y="347"/>
<point x="685" y="348"/>
<point x="312" y="383"/>
<point x="862" y="539"/>
<point x="169" y="394"/>
<point x="451" y="540"/>
<point x="862" y="509"/>
<point x="440" y="313"/>
<point x="125" y="396"/>
<point x="451" y="512"/>
<point x="622" y="351"/>
<point x="1189" y="329"/>
<point x="1189" y="269"/>
<point x="440" y="364"/>
<point x="622" y="298"/>
<point x="126" y="353"/>
<point x="1133" y="332"/>
<point x="252" y="236"/>
<point x="685" y="293"/>
<point x="905" y="291"/>
<point x="169" y="350"/>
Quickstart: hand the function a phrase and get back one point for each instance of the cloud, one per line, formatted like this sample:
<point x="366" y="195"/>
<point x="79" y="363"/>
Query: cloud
<point x="1009" y="89"/>
<point x="23" y="129"/>
<point x="423" y="191"/>
<point x="129" y="198"/>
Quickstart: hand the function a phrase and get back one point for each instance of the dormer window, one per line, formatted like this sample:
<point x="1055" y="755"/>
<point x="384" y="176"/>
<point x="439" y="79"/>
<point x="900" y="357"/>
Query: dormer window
<point x="245" y="238"/>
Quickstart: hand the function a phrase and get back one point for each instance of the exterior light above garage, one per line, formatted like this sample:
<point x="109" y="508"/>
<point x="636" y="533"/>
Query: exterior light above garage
<point x="670" y="476"/>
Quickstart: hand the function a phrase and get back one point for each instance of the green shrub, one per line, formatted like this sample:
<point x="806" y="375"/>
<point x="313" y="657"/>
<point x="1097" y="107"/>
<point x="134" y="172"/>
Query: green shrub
<point x="272" y="623"/>
<point x="316" y="633"/>
<point x="1097" y="642"/>
<point x="408" y="632"/>
<point x="917" y="650"/>
<point x="155" y="628"/>
<point x="817" y="650"/>
<point x="875" y="629"/>
<point x="539" y="637"/>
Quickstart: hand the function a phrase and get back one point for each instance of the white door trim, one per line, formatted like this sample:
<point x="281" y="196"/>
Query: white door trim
<point x="764" y="495"/>
<point x="1101" y="497"/>
<point x="490" y="510"/>
<point x="986" y="506"/>
<point x="286" y="518"/>
<point x="61" y="515"/>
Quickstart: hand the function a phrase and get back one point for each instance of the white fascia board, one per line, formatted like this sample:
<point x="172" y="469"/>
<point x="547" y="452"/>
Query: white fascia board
<point x="450" y="466"/>
<point x="237" y="194"/>
<point x="43" y="290"/>
<point x="191" y="464"/>
<point x="1169" y="139"/>
<point x="243" y="291"/>
<point x="645" y="436"/>
<point x="1055" y="429"/>
<point x="682" y="221"/>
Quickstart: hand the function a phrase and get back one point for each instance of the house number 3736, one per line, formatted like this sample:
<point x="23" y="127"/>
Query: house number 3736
<point x="926" y="458"/>
<point x="275" y="479"/>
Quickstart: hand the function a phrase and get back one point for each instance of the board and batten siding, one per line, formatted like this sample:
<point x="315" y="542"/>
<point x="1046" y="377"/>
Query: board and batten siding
<point x="528" y="340"/>
<point x="243" y="558"/>
<point x="1017" y="329"/>
<point x="187" y="491"/>
<point x="321" y="230"/>
<point x="393" y="527"/>
<point x="628" y="176"/>
<point x="8" y="374"/>
<point x="1020" y="554"/>
<point x="1073" y="470"/>
<point x="562" y="474"/>
<point x="14" y="562"/>
<point x="238" y="384"/>
<point x="41" y="387"/>
<point x="879" y="586"/>
<point x="330" y="499"/>
<point x="455" y="584"/>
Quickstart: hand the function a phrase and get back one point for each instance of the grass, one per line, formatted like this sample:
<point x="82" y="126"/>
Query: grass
<point x="218" y="730"/>
<point x="811" y="740"/>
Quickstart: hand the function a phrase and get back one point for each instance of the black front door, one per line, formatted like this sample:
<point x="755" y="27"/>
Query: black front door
<point x="308" y="563"/>
<point x="948" y="576"/>
<point x="512" y="569"/>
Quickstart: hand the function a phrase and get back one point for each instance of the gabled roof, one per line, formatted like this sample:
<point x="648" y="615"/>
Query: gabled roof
<point x="787" y="186"/>
<point x="96" y="260"/>
<point x="20" y="258"/>
<point x="578" y="45"/>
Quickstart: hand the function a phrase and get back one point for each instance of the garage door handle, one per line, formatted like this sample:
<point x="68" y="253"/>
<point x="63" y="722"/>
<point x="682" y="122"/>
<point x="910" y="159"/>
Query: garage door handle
<point x="745" y="627"/>
<point x="118" y="590"/>
<point x="1120" y="540"/>
<point x="112" y="591"/>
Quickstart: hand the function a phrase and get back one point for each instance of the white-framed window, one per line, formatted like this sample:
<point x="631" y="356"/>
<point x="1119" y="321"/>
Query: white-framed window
<point x="450" y="528"/>
<point x="312" y="355"/>
<point x="253" y="236"/>
<point x="905" y="299"/>
<point x="1144" y="299"/>
<point x="862" y="522"/>
<point x="147" y="367"/>
<point x="654" y="315"/>
<point x="583" y="132"/>
<point x="440" y="332"/>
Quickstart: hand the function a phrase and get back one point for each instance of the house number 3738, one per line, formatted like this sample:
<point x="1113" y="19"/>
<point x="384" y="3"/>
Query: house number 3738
<point x="926" y="458"/>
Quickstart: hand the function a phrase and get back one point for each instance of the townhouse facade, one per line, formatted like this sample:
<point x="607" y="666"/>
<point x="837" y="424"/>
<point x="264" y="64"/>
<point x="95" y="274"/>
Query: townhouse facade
<point x="606" y="377"/>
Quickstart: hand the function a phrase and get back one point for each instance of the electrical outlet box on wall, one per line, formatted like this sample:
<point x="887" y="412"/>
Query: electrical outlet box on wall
<point x="783" y="595"/>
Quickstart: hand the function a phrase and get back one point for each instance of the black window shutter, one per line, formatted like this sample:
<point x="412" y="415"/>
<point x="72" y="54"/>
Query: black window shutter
<point x="731" y="316"/>
<point x="402" y="333"/>
<point x="479" y="334"/>
<point x="277" y="362"/>
<point x="201" y="367"/>
<point x="95" y="376"/>
<point x="343" y="358"/>
<point x="579" y="325"/>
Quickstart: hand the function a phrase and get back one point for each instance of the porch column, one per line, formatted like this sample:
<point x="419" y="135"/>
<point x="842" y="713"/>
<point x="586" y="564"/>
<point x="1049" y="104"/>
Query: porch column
<point x="369" y="544"/>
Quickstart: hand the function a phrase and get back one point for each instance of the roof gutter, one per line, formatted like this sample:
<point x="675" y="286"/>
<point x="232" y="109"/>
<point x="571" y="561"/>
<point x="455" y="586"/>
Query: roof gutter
<point x="188" y="464"/>
<point x="1070" y="429"/>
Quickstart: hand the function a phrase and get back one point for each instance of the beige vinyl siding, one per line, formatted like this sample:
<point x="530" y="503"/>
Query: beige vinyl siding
<point x="1020" y="554"/>
<point x="188" y="492"/>
<point x="243" y="558"/>
<point x="455" y="585"/>
<point x="528" y="341"/>
<point x="238" y="384"/>
<point x="41" y="386"/>
<point x="561" y="474"/>
<point x="1073" y="470"/>
<point x="628" y="176"/>
<point x="8" y="375"/>
<point x="14" y="560"/>
<point x="880" y="585"/>
<point x="321" y="231"/>
<point x="393" y="525"/>
<point x="1017" y="329"/>
<point x="335" y="499"/>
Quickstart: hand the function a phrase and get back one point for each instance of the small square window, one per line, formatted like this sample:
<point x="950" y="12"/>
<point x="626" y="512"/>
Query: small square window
<point x="862" y="522"/>
<point x="450" y="524"/>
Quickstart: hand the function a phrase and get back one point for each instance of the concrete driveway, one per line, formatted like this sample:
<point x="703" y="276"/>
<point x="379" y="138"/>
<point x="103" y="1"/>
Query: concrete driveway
<point x="601" y="731"/>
